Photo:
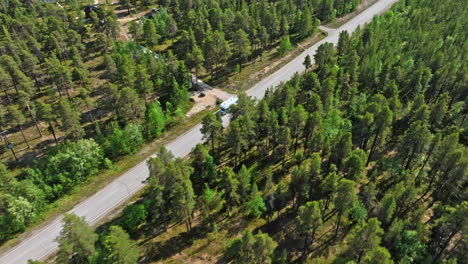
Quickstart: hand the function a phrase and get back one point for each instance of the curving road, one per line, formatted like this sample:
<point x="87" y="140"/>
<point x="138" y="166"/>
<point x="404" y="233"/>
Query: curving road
<point x="40" y="242"/>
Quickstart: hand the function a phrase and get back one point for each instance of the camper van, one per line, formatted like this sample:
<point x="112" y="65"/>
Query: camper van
<point x="227" y="104"/>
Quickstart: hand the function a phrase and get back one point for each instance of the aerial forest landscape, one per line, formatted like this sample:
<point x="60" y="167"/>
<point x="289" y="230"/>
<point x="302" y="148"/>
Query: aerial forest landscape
<point x="233" y="131"/>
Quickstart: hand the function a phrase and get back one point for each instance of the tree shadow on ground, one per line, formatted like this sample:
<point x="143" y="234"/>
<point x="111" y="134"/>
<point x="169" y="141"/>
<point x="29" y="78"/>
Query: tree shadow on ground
<point x="161" y="250"/>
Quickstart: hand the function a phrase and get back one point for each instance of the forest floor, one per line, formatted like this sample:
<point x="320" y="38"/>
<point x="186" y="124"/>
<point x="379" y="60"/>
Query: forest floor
<point x="340" y="21"/>
<point x="262" y="67"/>
<point x="206" y="244"/>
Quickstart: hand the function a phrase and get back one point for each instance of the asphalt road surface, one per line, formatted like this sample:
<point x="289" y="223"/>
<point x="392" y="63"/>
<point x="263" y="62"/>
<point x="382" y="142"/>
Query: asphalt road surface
<point x="39" y="244"/>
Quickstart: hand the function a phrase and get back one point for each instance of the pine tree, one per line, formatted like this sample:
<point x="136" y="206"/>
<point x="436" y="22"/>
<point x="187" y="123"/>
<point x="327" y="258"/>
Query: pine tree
<point x="284" y="140"/>
<point x="17" y="76"/>
<point x="367" y="237"/>
<point x="183" y="205"/>
<point x="195" y="59"/>
<point x="204" y="169"/>
<point x="382" y="124"/>
<point x="229" y="184"/>
<point x="378" y="255"/>
<point x="241" y="46"/>
<point x="221" y="48"/>
<point x="256" y="206"/>
<point x="143" y="83"/>
<point x="131" y="105"/>
<point x="354" y="165"/>
<point x="111" y="67"/>
<point x="341" y="149"/>
<point x="345" y="198"/>
<point x="309" y="221"/>
<point x="155" y="120"/>
<point x="297" y="124"/>
<point x="76" y="241"/>
<point x="26" y="102"/>
<point x="149" y="33"/>
<point x="212" y="202"/>
<point x="211" y="129"/>
<point x="120" y="249"/>
<point x="285" y="46"/>
<point x="46" y="114"/>
<point x="251" y="249"/>
<point x="17" y="117"/>
<point x="307" y="62"/>
<point x="70" y="120"/>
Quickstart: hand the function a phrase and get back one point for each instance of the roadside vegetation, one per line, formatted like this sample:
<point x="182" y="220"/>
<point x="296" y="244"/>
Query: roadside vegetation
<point x="363" y="159"/>
<point x="76" y="100"/>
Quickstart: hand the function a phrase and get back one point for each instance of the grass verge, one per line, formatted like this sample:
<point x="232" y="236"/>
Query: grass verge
<point x="268" y="63"/>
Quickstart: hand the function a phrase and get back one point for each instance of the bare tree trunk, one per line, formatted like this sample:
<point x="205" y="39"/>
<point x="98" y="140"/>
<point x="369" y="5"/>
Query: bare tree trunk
<point x="306" y="239"/>
<point x="338" y="224"/>
<point x="371" y="152"/>
<point x="34" y="119"/>
<point x="68" y="94"/>
<point x="52" y="130"/>
<point x="24" y="137"/>
<point x="6" y="94"/>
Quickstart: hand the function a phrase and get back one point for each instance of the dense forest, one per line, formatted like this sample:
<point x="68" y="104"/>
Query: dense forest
<point x="362" y="159"/>
<point x="75" y="97"/>
<point x="214" y="34"/>
<point x="83" y="115"/>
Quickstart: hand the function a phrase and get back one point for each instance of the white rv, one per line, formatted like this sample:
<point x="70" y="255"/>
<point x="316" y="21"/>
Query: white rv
<point x="227" y="104"/>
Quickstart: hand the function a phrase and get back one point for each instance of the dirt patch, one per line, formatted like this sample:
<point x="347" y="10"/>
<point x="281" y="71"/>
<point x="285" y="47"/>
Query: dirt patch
<point x="208" y="101"/>
<point x="123" y="17"/>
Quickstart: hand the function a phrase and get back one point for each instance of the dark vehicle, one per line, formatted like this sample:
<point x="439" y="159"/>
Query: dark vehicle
<point x="89" y="9"/>
<point x="152" y="13"/>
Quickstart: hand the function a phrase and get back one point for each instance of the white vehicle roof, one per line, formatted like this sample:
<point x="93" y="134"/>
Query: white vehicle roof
<point x="226" y="104"/>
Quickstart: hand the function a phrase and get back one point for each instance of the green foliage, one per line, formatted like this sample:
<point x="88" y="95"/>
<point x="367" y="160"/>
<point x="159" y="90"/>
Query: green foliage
<point x="256" y="206"/>
<point x="66" y="165"/>
<point x="410" y="247"/>
<point x="363" y="129"/>
<point x="309" y="221"/>
<point x="354" y="164"/>
<point x="212" y="201"/>
<point x="48" y="76"/>
<point x="378" y="255"/>
<point x="76" y="241"/>
<point x="70" y="120"/>
<point x="155" y="120"/>
<point x="250" y="248"/>
<point x="229" y="183"/>
<point x="212" y="129"/>
<point x="204" y="169"/>
<point x="285" y="46"/>
<point x="16" y="214"/>
<point x="171" y="191"/>
<point x="133" y="216"/>
<point x="241" y="45"/>
<point x="121" y="250"/>
<point x="307" y="62"/>
<point x="368" y="236"/>
<point x="380" y="123"/>
<point x="123" y="142"/>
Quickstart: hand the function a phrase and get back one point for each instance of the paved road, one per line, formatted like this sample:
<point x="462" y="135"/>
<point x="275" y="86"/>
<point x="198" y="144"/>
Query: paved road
<point x="40" y="243"/>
